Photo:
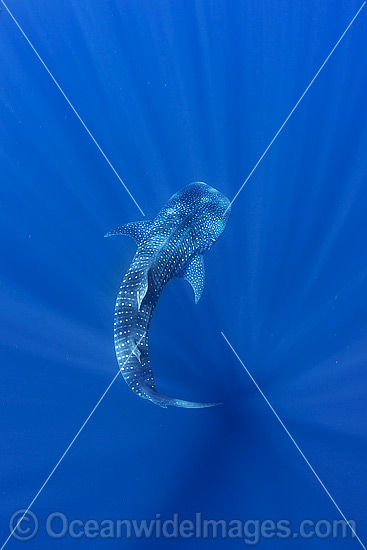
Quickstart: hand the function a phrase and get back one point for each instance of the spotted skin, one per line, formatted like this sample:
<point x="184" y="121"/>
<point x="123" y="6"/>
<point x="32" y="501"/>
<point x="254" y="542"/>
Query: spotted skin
<point x="171" y="245"/>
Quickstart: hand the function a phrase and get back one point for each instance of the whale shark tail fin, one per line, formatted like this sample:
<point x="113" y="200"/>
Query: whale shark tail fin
<point x="164" y="401"/>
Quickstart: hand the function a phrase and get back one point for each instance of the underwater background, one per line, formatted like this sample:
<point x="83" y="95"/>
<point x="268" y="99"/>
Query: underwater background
<point x="176" y="92"/>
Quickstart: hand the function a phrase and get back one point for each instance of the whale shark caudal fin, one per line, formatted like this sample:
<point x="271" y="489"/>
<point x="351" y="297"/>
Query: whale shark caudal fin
<point x="194" y="273"/>
<point x="137" y="230"/>
<point x="164" y="401"/>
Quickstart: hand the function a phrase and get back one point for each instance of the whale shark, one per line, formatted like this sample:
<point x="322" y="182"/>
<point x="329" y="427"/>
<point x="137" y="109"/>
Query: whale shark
<point x="171" y="245"/>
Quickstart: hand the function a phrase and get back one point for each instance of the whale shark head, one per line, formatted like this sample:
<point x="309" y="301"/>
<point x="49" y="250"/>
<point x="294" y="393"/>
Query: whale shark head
<point x="214" y="209"/>
<point x="207" y="208"/>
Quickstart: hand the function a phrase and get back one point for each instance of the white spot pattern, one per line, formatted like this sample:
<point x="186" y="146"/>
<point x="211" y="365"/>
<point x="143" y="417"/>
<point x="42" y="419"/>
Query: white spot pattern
<point x="171" y="245"/>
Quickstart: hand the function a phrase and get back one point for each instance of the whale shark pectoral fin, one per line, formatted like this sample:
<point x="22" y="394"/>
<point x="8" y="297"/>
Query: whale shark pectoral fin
<point x="136" y="230"/>
<point x="194" y="273"/>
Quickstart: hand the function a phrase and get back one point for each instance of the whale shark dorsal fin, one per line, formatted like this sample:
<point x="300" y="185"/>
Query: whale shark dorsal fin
<point x="142" y="288"/>
<point x="136" y="230"/>
<point x="194" y="273"/>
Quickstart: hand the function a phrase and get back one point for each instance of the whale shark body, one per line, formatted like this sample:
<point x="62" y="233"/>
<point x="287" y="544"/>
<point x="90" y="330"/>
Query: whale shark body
<point x="171" y="245"/>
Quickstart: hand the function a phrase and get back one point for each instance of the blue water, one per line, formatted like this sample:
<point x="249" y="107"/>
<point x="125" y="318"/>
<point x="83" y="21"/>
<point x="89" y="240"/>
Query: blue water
<point x="177" y="92"/>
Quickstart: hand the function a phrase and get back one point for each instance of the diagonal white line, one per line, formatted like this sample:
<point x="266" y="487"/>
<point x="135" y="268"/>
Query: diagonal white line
<point x="294" y="108"/>
<point x="73" y="108"/>
<point x="293" y="441"/>
<point x="68" y="448"/>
